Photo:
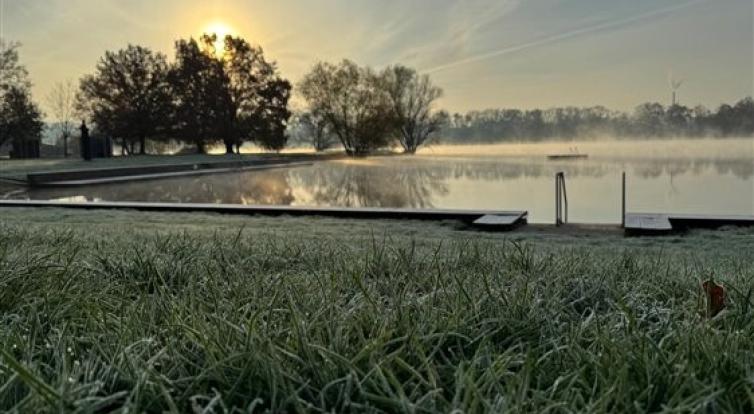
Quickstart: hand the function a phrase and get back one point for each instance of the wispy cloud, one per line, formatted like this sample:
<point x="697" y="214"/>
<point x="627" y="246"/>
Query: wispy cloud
<point x="431" y="36"/>
<point x="561" y="36"/>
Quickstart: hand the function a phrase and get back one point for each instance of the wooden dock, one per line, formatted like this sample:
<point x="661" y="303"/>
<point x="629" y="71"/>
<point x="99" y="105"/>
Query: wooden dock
<point x="483" y="219"/>
<point x="658" y="224"/>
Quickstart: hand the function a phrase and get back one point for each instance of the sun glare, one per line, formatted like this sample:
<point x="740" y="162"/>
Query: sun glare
<point x="221" y="30"/>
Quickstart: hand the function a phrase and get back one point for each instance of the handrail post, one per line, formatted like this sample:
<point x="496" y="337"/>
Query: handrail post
<point x="557" y="200"/>
<point x="565" y="197"/>
<point x="561" y="199"/>
<point x="623" y="202"/>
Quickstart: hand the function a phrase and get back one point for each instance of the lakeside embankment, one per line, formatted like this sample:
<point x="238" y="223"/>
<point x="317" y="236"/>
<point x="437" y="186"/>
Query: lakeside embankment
<point x="111" y="309"/>
<point x="20" y="168"/>
<point x="78" y="173"/>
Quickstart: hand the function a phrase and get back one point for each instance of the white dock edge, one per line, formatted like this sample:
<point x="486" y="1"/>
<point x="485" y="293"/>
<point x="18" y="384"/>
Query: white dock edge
<point x="648" y="222"/>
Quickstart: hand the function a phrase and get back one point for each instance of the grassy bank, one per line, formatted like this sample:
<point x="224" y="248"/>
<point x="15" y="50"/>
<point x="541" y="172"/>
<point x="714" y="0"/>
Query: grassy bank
<point x="111" y="310"/>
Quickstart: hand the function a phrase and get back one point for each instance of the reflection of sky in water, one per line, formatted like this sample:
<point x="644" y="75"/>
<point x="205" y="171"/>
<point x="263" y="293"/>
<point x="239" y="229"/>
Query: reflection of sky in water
<point x="675" y="176"/>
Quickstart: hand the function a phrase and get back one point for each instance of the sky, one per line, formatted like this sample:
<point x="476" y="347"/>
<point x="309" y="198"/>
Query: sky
<point x="483" y="53"/>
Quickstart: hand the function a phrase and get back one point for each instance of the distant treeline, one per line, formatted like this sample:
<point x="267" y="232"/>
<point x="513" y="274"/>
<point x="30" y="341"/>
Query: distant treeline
<point x="647" y="120"/>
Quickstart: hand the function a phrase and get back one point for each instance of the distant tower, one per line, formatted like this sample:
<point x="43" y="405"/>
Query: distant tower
<point x="675" y="84"/>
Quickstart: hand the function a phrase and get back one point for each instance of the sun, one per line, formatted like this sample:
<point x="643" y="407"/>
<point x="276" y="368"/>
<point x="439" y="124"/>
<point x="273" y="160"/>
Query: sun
<point x="221" y="29"/>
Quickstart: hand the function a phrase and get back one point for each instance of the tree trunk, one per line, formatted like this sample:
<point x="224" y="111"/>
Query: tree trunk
<point x="143" y="145"/>
<point x="65" y="146"/>
<point x="228" y="147"/>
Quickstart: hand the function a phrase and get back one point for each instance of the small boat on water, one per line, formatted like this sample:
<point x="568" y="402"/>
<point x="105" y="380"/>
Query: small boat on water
<point x="567" y="156"/>
<point x="573" y="154"/>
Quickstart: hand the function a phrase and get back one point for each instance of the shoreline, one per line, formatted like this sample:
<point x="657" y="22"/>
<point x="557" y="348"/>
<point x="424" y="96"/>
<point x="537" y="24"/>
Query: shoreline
<point x="461" y="220"/>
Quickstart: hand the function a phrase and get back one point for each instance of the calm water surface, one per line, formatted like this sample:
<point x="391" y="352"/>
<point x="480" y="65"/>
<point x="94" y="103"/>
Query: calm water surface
<point x="680" y="176"/>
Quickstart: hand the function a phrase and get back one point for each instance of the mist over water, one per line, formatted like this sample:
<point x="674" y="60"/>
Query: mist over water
<point x="703" y="176"/>
<point x="606" y="148"/>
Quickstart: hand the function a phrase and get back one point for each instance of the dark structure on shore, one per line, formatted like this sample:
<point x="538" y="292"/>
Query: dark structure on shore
<point x="24" y="148"/>
<point x="94" y="146"/>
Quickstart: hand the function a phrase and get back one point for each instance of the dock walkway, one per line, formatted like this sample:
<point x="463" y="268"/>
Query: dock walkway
<point x="657" y="224"/>
<point x="492" y="220"/>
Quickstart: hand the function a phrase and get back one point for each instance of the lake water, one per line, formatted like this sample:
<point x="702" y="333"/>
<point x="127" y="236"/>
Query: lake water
<point x="679" y="176"/>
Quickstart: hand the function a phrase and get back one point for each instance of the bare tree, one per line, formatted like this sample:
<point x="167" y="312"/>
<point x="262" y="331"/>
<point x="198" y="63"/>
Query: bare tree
<point x="316" y="130"/>
<point x="62" y="103"/>
<point x="353" y="102"/>
<point x="412" y="97"/>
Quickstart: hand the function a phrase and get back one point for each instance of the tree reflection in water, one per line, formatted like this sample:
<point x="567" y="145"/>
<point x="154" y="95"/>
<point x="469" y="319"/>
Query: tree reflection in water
<point x="371" y="183"/>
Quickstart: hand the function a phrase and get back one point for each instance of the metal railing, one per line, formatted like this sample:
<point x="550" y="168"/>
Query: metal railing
<point x="561" y="200"/>
<point x="623" y="201"/>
